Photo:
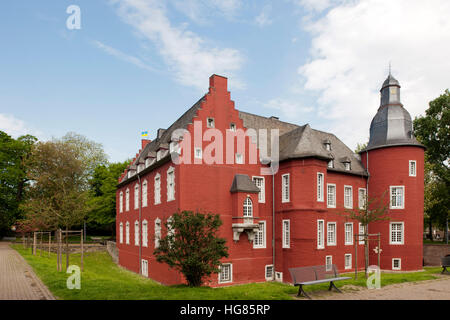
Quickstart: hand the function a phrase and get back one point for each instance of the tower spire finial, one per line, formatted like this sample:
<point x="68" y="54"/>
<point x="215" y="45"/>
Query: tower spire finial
<point x="389" y="67"/>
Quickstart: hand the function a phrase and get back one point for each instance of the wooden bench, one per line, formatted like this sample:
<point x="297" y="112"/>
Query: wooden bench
<point x="313" y="275"/>
<point x="445" y="261"/>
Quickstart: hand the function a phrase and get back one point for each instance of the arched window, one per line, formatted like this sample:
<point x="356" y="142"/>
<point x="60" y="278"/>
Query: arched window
<point x="127" y="200"/>
<point x="144" y="233"/>
<point x="144" y="193"/>
<point x="248" y="210"/>
<point x="157" y="232"/>
<point x="136" y="233"/>
<point x="121" y="232"/>
<point x="127" y="233"/>
<point x="136" y="196"/>
<point x="121" y="202"/>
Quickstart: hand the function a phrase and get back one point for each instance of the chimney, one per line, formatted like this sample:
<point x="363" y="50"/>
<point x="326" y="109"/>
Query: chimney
<point x="218" y="82"/>
<point x="144" y="142"/>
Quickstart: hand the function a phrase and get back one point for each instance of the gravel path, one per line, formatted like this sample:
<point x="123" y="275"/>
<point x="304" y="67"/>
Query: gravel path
<point x="438" y="289"/>
<point x="17" y="279"/>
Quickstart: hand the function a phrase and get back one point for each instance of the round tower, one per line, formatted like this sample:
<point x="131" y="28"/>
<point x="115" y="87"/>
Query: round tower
<point x="394" y="160"/>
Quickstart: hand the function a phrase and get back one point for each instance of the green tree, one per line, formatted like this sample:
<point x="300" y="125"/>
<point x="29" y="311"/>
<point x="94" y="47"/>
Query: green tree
<point x="192" y="246"/>
<point x="102" y="197"/>
<point x="374" y="209"/>
<point x="59" y="173"/>
<point x="433" y="131"/>
<point x="13" y="154"/>
<point x="360" y="147"/>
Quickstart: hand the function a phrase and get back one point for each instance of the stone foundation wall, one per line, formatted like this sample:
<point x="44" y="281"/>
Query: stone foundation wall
<point x="432" y="253"/>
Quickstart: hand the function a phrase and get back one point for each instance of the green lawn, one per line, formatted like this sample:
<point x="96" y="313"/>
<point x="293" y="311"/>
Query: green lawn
<point x="102" y="279"/>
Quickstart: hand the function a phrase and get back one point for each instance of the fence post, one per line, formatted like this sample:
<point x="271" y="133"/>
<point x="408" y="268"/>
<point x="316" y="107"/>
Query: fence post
<point x="34" y="243"/>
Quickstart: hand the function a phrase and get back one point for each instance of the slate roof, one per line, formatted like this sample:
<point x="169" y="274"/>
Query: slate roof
<point x="243" y="183"/>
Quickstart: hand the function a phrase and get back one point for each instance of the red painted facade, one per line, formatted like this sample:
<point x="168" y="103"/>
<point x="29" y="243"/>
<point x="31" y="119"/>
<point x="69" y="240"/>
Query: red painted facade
<point x="206" y="188"/>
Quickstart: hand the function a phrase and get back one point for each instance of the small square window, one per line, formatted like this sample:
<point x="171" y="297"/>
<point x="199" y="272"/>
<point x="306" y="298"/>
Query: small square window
<point x="331" y="164"/>
<point x="269" y="272"/>
<point x="329" y="263"/>
<point x="348" y="166"/>
<point x="232" y="127"/>
<point x="396" y="264"/>
<point x="348" y="261"/>
<point x="210" y="122"/>
<point x="225" y="274"/>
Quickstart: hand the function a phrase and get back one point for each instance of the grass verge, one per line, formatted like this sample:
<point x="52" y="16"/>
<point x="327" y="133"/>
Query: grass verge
<point x="104" y="280"/>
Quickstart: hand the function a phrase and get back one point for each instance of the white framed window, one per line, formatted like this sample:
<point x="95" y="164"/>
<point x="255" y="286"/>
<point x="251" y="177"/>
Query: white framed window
<point x="144" y="193"/>
<point x="286" y="233"/>
<point x="320" y="187"/>
<point x="145" y="233"/>
<point x="278" y="276"/>
<point x="157" y="232"/>
<point x="127" y="233"/>
<point x="121" y="233"/>
<point x="347" y="166"/>
<point x="121" y="202"/>
<point x="348" y="233"/>
<point x="348" y="261"/>
<point x="170" y="184"/>
<point x="210" y="122"/>
<point x="144" y="268"/>
<point x="329" y="263"/>
<point x="226" y="273"/>
<point x="320" y="234"/>
<point x="331" y="164"/>
<point x="260" y="236"/>
<point x="269" y="272"/>
<point x="136" y="196"/>
<point x="331" y="195"/>
<point x="127" y="200"/>
<point x="233" y="127"/>
<point x="361" y="231"/>
<point x="397" y="197"/>
<point x="285" y="188"/>
<point x="260" y="183"/>
<point x="362" y="198"/>
<point x="396" y="264"/>
<point x="327" y="146"/>
<point x="331" y="233"/>
<point x="136" y="233"/>
<point x="412" y="168"/>
<point x="198" y="153"/>
<point x="396" y="231"/>
<point x="157" y="189"/>
<point x="248" y="210"/>
<point x="239" y="158"/>
<point x="348" y="197"/>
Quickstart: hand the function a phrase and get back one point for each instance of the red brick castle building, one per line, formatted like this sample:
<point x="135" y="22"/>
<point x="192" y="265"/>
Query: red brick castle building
<point x="273" y="222"/>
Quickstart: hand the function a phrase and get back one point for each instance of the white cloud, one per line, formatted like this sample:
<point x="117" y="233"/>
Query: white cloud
<point x="200" y="11"/>
<point x="191" y="59"/>
<point x="292" y="111"/>
<point x="122" y="56"/>
<point x="263" y="18"/>
<point x="16" y="127"/>
<point x="352" y="45"/>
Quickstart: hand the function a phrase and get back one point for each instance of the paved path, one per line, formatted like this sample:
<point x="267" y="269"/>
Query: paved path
<point x="438" y="289"/>
<point x="17" y="279"/>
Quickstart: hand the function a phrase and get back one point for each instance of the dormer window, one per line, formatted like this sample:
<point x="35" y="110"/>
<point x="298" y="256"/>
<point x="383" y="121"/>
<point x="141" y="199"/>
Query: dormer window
<point x="232" y="127"/>
<point x="328" y="146"/>
<point x="347" y="166"/>
<point x="210" y="122"/>
<point x="331" y="164"/>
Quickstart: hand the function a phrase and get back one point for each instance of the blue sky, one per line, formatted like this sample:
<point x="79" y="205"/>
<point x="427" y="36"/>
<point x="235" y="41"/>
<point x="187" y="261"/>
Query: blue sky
<point x="137" y="65"/>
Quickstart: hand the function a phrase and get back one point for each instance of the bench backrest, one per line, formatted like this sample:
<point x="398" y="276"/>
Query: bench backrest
<point x="303" y="274"/>
<point x="446" y="260"/>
